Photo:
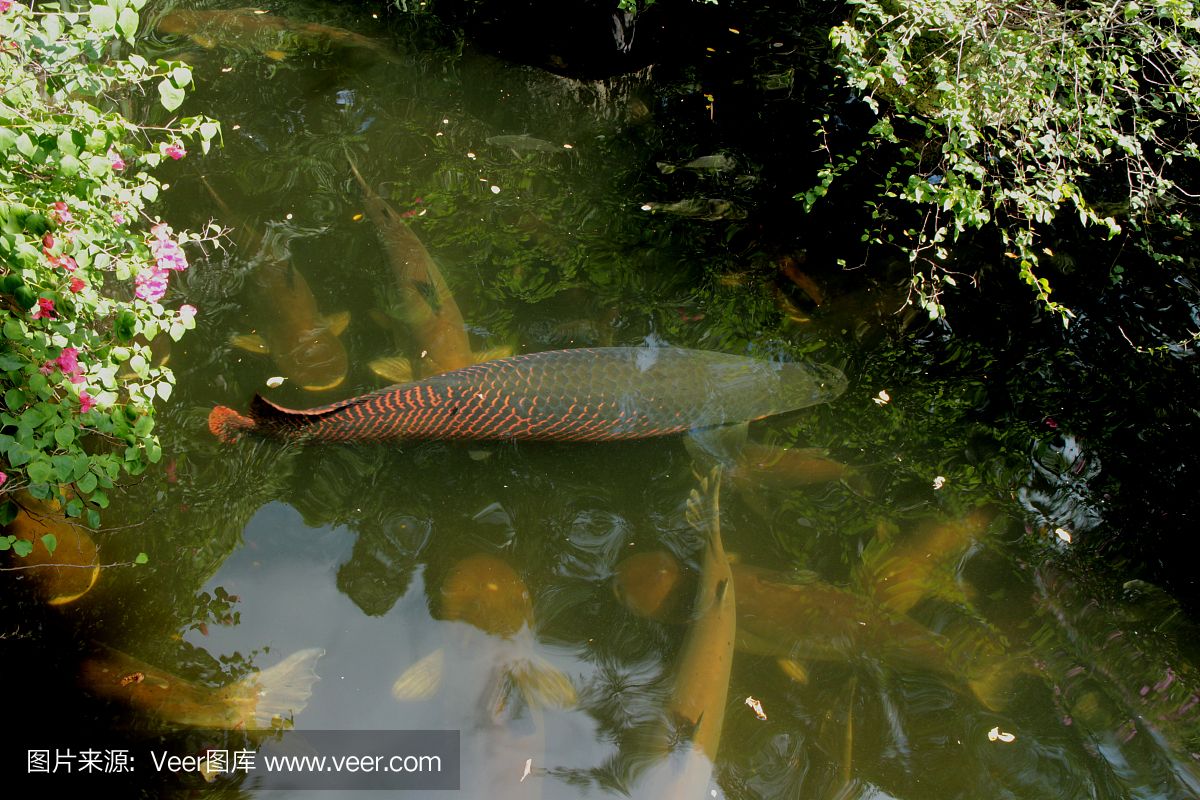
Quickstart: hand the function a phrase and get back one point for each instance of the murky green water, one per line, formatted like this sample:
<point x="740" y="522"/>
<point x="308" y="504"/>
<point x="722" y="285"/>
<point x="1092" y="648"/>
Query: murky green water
<point x="938" y="650"/>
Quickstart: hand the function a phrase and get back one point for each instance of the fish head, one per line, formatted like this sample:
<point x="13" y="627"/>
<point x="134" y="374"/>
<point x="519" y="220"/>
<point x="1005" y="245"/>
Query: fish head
<point x="486" y="592"/>
<point x="313" y="358"/>
<point x="650" y="585"/>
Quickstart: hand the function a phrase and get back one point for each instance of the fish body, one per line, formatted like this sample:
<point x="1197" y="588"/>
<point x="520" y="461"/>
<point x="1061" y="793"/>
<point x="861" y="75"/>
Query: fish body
<point x="506" y="727"/>
<point x="598" y="394"/>
<point x="794" y="621"/>
<point x="256" y="29"/>
<point x="255" y="702"/>
<point x="426" y="304"/>
<point x="64" y="572"/>
<point x="706" y="208"/>
<point x="302" y="341"/>
<point x="683" y="754"/>
<point x="717" y="162"/>
<point x="525" y="142"/>
<point x="702" y="678"/>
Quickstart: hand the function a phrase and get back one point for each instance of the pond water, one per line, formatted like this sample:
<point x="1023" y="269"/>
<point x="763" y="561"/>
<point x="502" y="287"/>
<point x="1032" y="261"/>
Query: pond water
<point x="921" y="631"/>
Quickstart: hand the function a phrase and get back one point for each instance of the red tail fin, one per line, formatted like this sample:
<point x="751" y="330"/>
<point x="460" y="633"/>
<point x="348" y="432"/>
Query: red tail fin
<point x="227" y="425"/>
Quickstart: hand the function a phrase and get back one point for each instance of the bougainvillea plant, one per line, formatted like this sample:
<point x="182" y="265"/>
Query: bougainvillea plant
<point x="85" y="271"/>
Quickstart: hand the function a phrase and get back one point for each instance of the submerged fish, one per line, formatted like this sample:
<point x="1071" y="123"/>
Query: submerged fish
<point x="302" y="342"/>
<point x="426" y="304"/>
<point x="487" y="593"/>
<point x="524" y="141"/>
<point x="752" y="465"/>
<point x="506" y="727"/>
<point x="717" y="162"/>
<point x="707" y="208"/>
<point x="801" y="621"/>
<point x="256" y="702"/>
<point x="64" y="563"/>
<point x="256" y="29"/>
<point x="598" y="394"/>
<point x="696" y="707"/>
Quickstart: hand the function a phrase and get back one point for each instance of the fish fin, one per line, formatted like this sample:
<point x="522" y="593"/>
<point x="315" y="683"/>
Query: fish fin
<point x="717" y="445"/>
<point x="542" y="684"/>
<point x="703" y="504"/>
<point x="665" y="168"/>
<point x="396" y="369"/>
<point x="422" y="680"/>
<point x="250" y="342"/>
<point x="337" y="322"/>
<point x="67" y="598"/>
<point x="281" y="691"/>
<point x="794" y="670"/>
<point x="383" y="319"/>
<point x="494" y="353"/>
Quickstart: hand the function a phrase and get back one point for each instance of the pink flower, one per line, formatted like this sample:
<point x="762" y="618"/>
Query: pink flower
<point x="61" y="213"/>
<point x="44" y="310"/>
<point x="3" y="477"/>
<point x="67" y="263"/>
<point x="151" y="284"/>
<point x="175" y="151"/>
<point x="166" y="250"/>
<point x="77" y="285"/>
<point x="68" y="359"/>
<point x="48" y="368"/>
<point x="187" y="312"/>
<point x="86" y="403"/>
<point x="114" y="157"/>
<point x="47" y="243"/>
<point x="5" y="5"/>
<point x="118" y="218"/>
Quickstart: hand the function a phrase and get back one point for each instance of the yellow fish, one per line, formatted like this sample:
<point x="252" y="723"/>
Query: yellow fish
<point x="65" y="563"/>
<point x="302" y="341"/>
<point x="426" y="306"/>
<point x="273" y="36"/>
<point x="259" y="701"/>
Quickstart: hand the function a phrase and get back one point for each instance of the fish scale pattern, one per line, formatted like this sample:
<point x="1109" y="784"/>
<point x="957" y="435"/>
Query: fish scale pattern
<point x="590" y="394"/>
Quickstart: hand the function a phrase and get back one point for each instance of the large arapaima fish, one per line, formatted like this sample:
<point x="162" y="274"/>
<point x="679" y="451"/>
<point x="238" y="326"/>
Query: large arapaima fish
<point x="596" y="394"/>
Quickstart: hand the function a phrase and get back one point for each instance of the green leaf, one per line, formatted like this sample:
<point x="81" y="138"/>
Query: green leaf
<point x="93" y="518"/>
<point x="127" y="24"/>
<point x="40" y="470"/>
<point x="104" y="18"/>
<point x="141" y="558"/>
<point x="74" y="507"/>
<point x="22" y="547"/>
<point x="181" y="76"/>
<point x="87" y="484"/>
<point x="51" y="542"/>
<point x="8" y="512"/>
<point x="170" y="94"/>
<point x="125" y="325"/>
<point x="64" y="435"/>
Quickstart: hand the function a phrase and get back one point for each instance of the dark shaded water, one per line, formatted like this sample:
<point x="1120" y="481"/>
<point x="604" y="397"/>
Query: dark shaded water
<point x="924" y="550"/>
